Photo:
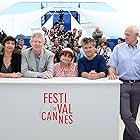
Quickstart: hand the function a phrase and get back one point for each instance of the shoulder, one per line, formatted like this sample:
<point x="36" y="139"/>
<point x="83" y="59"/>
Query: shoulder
<point x="73" y="65"/>
<point x="99" y="57"/>
<point x="120" y="47"/>
<point x="16" y="55"/>
<point x="56" y="65"/>
<point x="26" y="51"/>
<point x="48" y="52"/>
<point x="82" y="58"/>
<point x="1" y="57"/>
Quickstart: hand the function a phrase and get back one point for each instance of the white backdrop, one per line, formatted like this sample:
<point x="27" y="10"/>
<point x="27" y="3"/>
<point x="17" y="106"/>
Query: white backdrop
<point x="112" y="24"/>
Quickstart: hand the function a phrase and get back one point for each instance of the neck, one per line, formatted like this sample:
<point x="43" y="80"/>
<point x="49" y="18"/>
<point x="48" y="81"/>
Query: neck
<point x="91" y="57"/>
<point x="37" y="53"/>
<point x="64" y="65"/>
<point x="7" y="54"/>
<point x="134" y="43"/>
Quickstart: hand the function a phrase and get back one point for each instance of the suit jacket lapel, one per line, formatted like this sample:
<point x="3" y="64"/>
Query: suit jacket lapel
<point x="42" y="61"/>
<point x="33" y="61"/>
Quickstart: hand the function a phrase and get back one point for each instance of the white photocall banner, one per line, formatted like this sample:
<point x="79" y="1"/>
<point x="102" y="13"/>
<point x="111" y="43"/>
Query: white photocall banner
<point x="40" y="109"/>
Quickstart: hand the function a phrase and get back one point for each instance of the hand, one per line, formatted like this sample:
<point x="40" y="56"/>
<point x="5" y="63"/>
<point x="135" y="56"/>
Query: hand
<point x="48" y="75"/>
<point x="93" y="75"/>
<point x="112" y="76"/>
<point x="16" y="75"/>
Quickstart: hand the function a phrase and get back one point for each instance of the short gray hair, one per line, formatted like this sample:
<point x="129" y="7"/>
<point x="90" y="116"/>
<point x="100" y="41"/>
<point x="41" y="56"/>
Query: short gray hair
<point x="37" y="34"/>
<point x="133" y="28"/>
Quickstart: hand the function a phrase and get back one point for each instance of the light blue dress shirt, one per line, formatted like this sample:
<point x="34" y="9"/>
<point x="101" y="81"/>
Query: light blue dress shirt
<point x="126" y="60"/>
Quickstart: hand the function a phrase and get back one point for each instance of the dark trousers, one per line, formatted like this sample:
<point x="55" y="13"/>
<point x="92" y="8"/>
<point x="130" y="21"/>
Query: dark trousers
<point x="129" y="104"/>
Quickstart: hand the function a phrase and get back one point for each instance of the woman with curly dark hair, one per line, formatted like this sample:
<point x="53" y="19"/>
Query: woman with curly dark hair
<point x="10" y="63"/>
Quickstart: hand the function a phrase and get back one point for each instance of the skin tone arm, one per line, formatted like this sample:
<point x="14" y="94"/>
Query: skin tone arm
<point x="10" y="75"/>
<point x="92" y="75"/>
<point x="112" y="73"/>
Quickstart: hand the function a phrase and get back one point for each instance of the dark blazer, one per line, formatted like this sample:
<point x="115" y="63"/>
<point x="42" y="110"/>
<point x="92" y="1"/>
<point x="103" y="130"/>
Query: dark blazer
<point x="15" y="62"/>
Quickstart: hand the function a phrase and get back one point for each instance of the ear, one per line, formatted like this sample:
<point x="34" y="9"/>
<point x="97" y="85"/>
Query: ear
<point x="30" y="42"/>
<point x="137" y="34"/>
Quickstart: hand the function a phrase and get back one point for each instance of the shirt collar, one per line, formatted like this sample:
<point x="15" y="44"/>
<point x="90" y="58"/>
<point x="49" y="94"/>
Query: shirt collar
<point x="134" y="46"/>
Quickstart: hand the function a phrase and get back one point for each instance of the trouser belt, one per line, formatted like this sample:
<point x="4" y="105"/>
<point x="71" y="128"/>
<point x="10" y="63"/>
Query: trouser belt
<point x="129" y="81"/>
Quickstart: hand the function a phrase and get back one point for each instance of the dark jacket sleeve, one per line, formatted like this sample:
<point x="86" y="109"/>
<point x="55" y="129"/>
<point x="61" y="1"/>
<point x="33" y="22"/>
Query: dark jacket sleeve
<point x="16" y="63"/>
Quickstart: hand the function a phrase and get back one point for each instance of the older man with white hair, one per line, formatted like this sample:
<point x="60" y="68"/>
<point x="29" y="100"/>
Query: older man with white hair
<point x="37" y="62"/>
<point x="125" y="64"/>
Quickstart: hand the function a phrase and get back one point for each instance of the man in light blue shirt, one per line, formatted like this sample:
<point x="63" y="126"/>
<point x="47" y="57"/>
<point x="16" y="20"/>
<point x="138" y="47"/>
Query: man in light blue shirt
<point x="125" y="64"/>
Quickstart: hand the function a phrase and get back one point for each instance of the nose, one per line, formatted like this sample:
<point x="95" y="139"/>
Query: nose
<point x="11" y="45"/>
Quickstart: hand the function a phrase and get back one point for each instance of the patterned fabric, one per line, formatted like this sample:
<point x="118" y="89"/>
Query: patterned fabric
<point x="71" y="71"/>
<point x="6" y="70"/>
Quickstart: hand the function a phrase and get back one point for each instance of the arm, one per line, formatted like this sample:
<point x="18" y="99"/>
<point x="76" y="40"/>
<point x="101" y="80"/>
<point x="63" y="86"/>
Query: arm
<point x="50" y="67"/>
<point x="113" y="62"/>
<point x="10" y="75"/>
<point x="112" y="73"/>
<point x="93" y="75"/>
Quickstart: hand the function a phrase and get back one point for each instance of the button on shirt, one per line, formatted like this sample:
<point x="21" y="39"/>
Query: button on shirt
<point x="126" y="60"/>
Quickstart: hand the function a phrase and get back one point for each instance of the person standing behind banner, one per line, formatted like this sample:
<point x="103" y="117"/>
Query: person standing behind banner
<point x="10" y="63"/>
<point x="97" y="35"/>
<point x="37" y="62"/>
<point x="92" y="65"/>
<point x="125" y="64"/>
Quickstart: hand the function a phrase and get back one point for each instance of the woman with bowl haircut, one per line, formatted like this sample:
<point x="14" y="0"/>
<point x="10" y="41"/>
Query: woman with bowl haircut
<point x="10" y="63"/>
<point x="66" y="67"/>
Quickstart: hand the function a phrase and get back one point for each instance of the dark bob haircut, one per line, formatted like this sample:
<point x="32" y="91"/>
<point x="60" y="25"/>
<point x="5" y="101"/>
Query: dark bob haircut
<point x="8" y="38"/>
<point x="66" y="51"/>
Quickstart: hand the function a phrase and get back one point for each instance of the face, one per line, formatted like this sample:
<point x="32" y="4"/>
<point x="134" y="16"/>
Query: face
<point x="66" y="58"/>
<point x="9" y="46"/>
<point x="97" y="29"/>
<point x="54" y="49"/>
<point x="119" y="41"/>
<point x="37" y="43"/>
<point x="130" y="36"/>
<point x="80" y="32"/>
<point x="74" y="31"/>
<point x="21" y="42"/>
<point x="76" y="49"/>
<point x="56" y="42"/>
<point x="61" y="27"/>
<point x="89" y="50"/>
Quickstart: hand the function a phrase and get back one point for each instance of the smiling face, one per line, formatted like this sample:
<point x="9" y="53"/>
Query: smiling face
<point x="37" y="42"/>
<point x="66" y="58"/>
<point x="9" y="46"/>
<point x="88" y="46"/>
<point x="89" y="50"/>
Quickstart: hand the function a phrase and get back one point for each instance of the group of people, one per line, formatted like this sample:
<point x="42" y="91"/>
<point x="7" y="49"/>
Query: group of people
<point x="123" y="64"/>
<point x="38" y="62"/>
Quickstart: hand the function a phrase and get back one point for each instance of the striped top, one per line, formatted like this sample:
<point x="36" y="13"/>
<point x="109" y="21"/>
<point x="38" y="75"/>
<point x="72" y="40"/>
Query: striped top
<point x="59" y="70"/>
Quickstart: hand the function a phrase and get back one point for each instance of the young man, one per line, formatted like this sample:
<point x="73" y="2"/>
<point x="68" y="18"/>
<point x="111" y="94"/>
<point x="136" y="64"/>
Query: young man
<point x="37" y="62"/>
<point x="92" y="65"/>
